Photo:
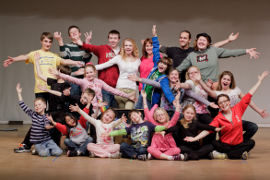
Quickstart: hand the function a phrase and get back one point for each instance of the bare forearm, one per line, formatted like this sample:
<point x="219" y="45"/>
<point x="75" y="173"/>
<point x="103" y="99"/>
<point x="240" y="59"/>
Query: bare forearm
<point x="20" y="96"/>
<point x="207" y="89"/>
<point x="68" y="62"/>
<point x="221" y="43"/>
<point x="21" y="58"/>
<point x="39" y="73"/>
<point x="202" y="135"/>
<point x="57" y="93"/>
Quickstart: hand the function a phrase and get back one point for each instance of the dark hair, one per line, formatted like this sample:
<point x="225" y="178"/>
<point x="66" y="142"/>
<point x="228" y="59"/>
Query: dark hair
<point x="133" y="111"/>
<point x="65" y="69"/>
<point x="223" y="95"/>
<point x="72" y="117"/>
<point x="147" y="40"/>
<point x="47" y="35"/>
<point x="114" y="32"/>
<point x="109" y="109"/>
<point x="186" y="31"/>
<point x="40" y="99"/>
<point x="233" y="83"/>
<point x="90" y="91"/>
<point x="168" y="62"/>
<point x="73" y="26"/>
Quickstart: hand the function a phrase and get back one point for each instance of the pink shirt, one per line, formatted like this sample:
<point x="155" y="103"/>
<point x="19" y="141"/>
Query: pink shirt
<point x="97" y="85"/>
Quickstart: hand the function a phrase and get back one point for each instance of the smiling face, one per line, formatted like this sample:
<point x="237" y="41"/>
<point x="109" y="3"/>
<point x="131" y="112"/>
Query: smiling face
<point x="86" y="98"/>
<point x="40" y="107"/>
<point x="90" y="73"/>
<point x="70" y="121"/>
<point x="74" y="33"/>
<point x="189" y="114"/>
<point x="46" y="44"/>
<point x="135" y="117"/>
<point x="184" y="40"/>
<point x="225" y="82"/>
<point x="113" y="40"/>
<point x="160" y="116"/>
<point x="174" y="76"/>
<point x="128" y="47"/>
<point x="202" y="43"/>
<point x="108" y="117"/>
<point x="224" y="103"/>
<point x="149" y="48"/>
<point x="162" y="67"/>
<point x="192" y="72"/>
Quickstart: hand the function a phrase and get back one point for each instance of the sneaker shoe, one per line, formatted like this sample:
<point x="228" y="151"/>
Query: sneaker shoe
<point x="222" y="156"/>
<point x="180" y="157"/>
<point x="210" y="155"/>
<point x="142" y="157"/>
<point x="71" y="153"/>
<point x="150" y="157"/>
<point x="22" y="149"/>
<point x="116" y="155"/>
<point x="34" y="152"/>
<point x="245" y="155"/>
<point x="92" y="155"/>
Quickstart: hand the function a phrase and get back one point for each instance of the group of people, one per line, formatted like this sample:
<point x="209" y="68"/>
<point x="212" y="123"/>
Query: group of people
<point x="174" y="92"/>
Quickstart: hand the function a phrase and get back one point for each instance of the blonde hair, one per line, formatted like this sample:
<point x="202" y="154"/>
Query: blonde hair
<point x="163" y="110"/>
<point x="135" y="51"/>
<point x="183" y="121"/>
<point x="187" y="74"/>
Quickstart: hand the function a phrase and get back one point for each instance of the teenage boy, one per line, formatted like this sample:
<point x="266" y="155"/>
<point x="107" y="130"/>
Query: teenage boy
<point x="105" y="53"/>
<point x="178" y="54"/>
<point x="72" y="51"/>
<point x="47" y="60"/>
<point x="39" y="134"/>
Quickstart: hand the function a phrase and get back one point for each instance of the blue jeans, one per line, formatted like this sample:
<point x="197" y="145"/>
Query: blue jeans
<point x="139" y="104"/>
<point x="129" y="151"/>
<point x="82" y="148"/>
<point x="75" y="89"/>
<point x="250" y="128"/>
<point x="48" y="148"/>
<point x="109" y="98"/>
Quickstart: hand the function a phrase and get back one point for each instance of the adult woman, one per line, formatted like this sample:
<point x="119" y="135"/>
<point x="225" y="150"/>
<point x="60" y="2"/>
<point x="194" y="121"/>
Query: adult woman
<point x="205" y="57"/>
<point x="128" y="62"/>
<point x="231" y="142"/>
<point x="227" y="85"/>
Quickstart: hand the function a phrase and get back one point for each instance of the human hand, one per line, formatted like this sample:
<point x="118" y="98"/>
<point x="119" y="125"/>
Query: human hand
<point x="79" y="71"/>
<point x="252" y="53"/>
<point x="197" y="77"/>
<point x="263" y="113"/>
<point x="132" y="97"/>
<point x="42" y="88"/>
<point x="49" y="126"/>
<point x="74" y="108"/>
<point x="213" y="105"/>
<point x="80" y="63"/>
<point x="57" y="36"/>
<point x="78" y="41"/>
<point x="233" y="37"/>
<point x="102" y="103"/>
<point x="8" y="62"/>
<point x="53" y="72"/>
<point x="162" y="133"/>
<point x="50" y="118"/>
<point x="123" y="118"/>
<point x="209" y="83"/>
<point x="219" y="129"/>
<point x="143" y="93"/>
<point x="104" y="135"/>
<point x="264" y="74"/>
<point x="66" y="92"/>
<point x="18" y="88"/>
<point x="142" y="41"/>
<point x="132" y="77"/>
<point x="88" y="37"/>
<point x="189" y="139"/>
<point x="154" y="31"/>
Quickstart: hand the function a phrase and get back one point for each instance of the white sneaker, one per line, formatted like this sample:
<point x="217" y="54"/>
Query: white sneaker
<point x="116" y="155"/>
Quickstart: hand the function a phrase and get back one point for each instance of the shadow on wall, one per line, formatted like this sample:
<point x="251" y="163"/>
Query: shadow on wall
<point x="172" y="10"/>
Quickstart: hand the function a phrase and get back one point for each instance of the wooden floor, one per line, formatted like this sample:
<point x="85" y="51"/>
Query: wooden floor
<point x="27" y="167"/>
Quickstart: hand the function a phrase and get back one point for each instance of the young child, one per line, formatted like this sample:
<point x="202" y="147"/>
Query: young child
<point x="39" y="134"/>
<point x="189" y="126"/>
<point x="140" y="132"/>
<point x="104" y="147"/>
<point x="163" y="147"/>
<point x="90" y="81"/>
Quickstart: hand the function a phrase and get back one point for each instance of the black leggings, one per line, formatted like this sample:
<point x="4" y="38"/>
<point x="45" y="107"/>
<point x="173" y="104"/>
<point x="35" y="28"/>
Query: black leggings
<point x="197" y="152"/>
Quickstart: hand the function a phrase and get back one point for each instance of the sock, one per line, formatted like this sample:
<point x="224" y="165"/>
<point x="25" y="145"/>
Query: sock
<point x="79" y="153"/>
<point x="182" y="156"/>
<point x="170" y="158"/>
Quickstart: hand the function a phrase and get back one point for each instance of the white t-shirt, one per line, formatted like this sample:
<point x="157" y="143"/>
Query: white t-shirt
<point x="234" y="95"/>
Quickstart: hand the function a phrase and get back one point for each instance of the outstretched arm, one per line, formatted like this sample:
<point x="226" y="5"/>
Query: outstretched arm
<point x="231" y="38"/>
<point x="198" y="137"/>
<point x="39" y="73"/>
<point x="11" y="60"/>
<point x="44" y="88"/>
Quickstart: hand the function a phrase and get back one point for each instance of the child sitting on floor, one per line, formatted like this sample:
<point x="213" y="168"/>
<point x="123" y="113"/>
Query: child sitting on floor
<point x="39" y="134"/>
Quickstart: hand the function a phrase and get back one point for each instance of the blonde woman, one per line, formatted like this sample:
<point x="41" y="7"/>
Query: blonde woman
<point x="128" y="63"/>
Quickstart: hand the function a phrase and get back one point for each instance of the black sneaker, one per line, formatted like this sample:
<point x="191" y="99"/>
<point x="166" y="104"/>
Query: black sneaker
<point x="71" y="153"/>
<point x="180" y="157"/>
<point x="22" y="149"/>
<point x="142" y="157"/>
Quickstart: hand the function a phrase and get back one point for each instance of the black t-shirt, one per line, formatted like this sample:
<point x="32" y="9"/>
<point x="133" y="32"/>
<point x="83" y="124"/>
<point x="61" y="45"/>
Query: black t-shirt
<point x="55" y="102"/>
<point x="178" y="55"/>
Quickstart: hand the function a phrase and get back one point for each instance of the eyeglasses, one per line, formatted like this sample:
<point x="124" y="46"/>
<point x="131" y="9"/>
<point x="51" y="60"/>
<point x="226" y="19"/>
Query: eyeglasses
<point x="220" y="103"/>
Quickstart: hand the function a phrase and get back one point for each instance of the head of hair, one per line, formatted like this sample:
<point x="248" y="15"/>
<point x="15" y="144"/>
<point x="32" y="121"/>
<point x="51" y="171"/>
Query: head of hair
<point x="163" y="110"/>
<point x="233" y="83"/>
<point x="223" y="95"/>
<point x="87" y="66"/>
<point x="90" y="91"/>
<point x="168" y="62"/>
<point x="186" y="31"/>
<point x="183" y="121"/>
<point x="187" y="73"/>
<point x="135" y="51"/>
<point x="173" y="69"/>
<point x="208" y="38"/>
<point x="73" y="26"/>
<point x="114" y="32"/>
<point x="109" y="109"/>
<point x="65" y="69"/>
<point x="72" y="117"/>
<point x="47" y="35"/>
<point x="147" y="40"/>
<point x="40" y="99"/>
<point x="133" y="111"/>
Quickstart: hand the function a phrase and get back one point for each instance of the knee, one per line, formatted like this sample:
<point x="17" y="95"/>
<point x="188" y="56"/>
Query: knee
<point x="67" y="141"/>
<point x="56" y="152"/>
<point x="44" y="152"/>
<point x="89" y="140"/>
<point x="124" y="146"/>
<point x="254" y="127"/>
<point x="89" y="146"/>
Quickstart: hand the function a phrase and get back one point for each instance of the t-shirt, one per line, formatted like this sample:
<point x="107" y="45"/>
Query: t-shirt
<point x="47" y="60"/>
<point x="199" y="106"/>
<point x="55" y="102"/>
<point x="140" y="134"/>
<point x="234" y="95"/>
<point x="149" y="89"/>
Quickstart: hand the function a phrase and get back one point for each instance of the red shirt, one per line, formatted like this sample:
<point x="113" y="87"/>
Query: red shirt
<point x="232" y="134"/>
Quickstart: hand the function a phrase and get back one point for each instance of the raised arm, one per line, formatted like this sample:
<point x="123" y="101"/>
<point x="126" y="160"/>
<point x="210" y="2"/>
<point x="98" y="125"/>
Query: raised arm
<point x="88" y="37"/>
<point x="257" y="85"/>
<point x="11" y="60"/>
<point x="232" y="37"/>
<point x="81" y="112"/>
<point x="209" y="91"/>
<point x="19" y="91"/>
<point x="39" y="73"/>
<point x="58" y="37"/>
<point x="156" y="55"/>
<point x="146" y="110"/>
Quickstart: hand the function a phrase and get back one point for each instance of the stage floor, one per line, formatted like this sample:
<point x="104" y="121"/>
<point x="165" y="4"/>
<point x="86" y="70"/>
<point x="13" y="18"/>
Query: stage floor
<point x="27" y="167"/>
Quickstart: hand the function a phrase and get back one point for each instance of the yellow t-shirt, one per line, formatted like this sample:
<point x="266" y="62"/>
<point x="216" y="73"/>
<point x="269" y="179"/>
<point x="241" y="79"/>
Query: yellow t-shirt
<point x="47" y="60"/>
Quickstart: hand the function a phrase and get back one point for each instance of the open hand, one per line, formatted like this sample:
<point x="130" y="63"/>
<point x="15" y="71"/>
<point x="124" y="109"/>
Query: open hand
<point x="8" y="62"/>
<point x="74" y="108"/>
<point x="18" y="88"/>
<point x="252" y="53"/>
<point x="88" y="37"/>
<point x="233" y="37"/>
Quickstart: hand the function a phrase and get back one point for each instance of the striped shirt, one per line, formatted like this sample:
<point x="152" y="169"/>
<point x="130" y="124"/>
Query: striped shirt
<point x="72" y="51"/>
<point x="38" y="133"/>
